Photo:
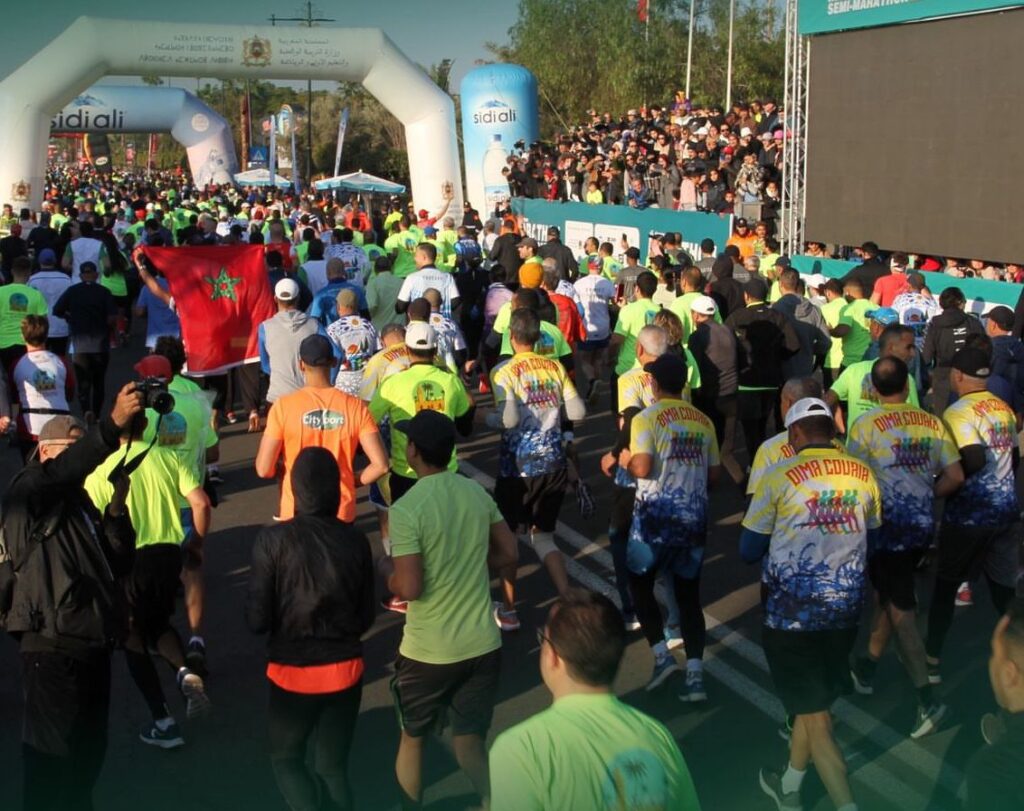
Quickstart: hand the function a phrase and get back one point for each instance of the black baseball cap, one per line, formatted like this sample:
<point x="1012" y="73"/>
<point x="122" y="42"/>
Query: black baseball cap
<point x="315" y="350"/>
<point x="669" y="371"/>
<point x="972" y="362"/>
<point x="431" y="431"/>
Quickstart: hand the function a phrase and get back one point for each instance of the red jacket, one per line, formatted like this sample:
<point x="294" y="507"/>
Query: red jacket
<point x="570" y="324"/>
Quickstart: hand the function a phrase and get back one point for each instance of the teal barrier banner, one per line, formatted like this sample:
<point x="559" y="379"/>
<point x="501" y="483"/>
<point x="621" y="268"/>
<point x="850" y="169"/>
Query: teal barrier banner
<point x="982" y="294"/>
<point x="578" y="221"/>
<point x="821" y="16"/>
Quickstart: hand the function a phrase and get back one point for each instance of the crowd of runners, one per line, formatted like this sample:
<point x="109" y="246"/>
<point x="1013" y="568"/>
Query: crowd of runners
<point x="872" y="426"/>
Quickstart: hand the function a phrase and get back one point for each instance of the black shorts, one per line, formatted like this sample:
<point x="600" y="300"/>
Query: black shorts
<point x="534" y="501"/>
<point x="892" y="575"/>
<point x="399" y="485"/>
<point x="966" y="552"/>
<point x="810" y="669"/>
<point x="152" y="588"/>
<point x="463" y="693"/>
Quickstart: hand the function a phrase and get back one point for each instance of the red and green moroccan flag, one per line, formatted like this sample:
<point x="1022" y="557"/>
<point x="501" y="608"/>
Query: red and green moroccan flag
<point x="222" y="295"/>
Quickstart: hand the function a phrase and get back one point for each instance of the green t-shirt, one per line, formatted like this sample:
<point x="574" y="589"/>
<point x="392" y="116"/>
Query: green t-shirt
<point x="421" y="387"/>
<point x="857" y="341"/>
<point x="854" y="387"/>
<point x="610" y="267"/>
<point x="552" y="343"/>
<point x="681" y="307"/>
<point x="693" y="379"/>
<point x="632" y="318"/>
<point x="17" y="301"/>
<point x="115" y="283"/>
<point x="187" y="428"/>
<point x="154" y="498"/>
<point x="831" y="312"/>
<point x="589" y="752"/>
<point x="403" y="245"/>
<point x="302" y="252"/>
<point x="447" y="519"/>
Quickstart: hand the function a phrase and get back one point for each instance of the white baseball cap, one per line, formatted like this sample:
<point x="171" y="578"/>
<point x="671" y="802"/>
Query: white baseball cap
<point x="815" y="280"/>
<point x="807" y="407"/>
<point x="420" y="335"/>
<point x="745" y="132"/>
<point x="705" y="305"/>
<point x="286" y="290"/>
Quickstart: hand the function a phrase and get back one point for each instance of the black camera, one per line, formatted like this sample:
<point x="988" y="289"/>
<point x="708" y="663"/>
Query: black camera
<point x="155" y="395"/>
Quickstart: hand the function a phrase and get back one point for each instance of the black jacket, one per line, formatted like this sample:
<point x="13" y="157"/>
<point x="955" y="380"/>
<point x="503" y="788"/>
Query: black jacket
<point x="505" y="253"/>
<point x="947" y="334"/>
<point x="766" y="338"/>
<point x="994" y="773"/>
<point x="724" y="289"/>
<point x="311" y="580"/>
<point x="565" y="262"/>
<point x="867" y="273"/>
<point x="65" y="590"/>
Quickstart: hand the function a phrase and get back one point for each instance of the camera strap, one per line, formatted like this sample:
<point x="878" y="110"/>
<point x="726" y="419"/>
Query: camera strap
<point x="128" y="467"/>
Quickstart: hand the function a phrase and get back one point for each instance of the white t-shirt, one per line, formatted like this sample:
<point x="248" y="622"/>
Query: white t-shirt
<point x="52" y="283"/>
<point x="40" y="378"/>
<point x="84" y="249"/>
<point x="416" y="284"/>
<point x="595" y="291"/>
<point x="316" y="274"/>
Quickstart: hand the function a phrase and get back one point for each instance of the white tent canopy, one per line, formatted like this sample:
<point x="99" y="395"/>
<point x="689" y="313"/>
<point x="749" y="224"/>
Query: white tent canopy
<point x="360" y="182"/>
<point x="261" y="177"/>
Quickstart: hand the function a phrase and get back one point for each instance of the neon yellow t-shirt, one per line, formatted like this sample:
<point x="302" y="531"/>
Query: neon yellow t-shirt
<point x="610" y="267"/>
<point x="906" y="448"/>
<point x="421" y="387"/>
<point x="831" y="312"/>
<point x="858" y="339"/>
<point x="552" y="343"/>
<point x="817" y="507"/>
<point x="589" y="752"/>
<point x="854" y="388"/>
<point x="671" y="505"/>
<point x="187" y="428"/>
<point x="403" y="245"/>
<point x="17" y="301"/>
<point x="692" y="376"/>
<point x="154" y="499"/>
<point x="447" y="519"/>
<point x="632" y="318"/>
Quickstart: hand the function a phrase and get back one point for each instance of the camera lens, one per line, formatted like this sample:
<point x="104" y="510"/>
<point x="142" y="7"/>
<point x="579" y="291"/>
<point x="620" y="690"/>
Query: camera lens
<point x="162" y="402"/>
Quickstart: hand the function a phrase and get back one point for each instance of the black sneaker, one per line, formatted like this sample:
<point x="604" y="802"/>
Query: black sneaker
<point x="169" y="738"/>
<point x="195" y="657"/>
<point x="771" y="784"/>
<point x="927" y="719"/>
<point x="861" y="679"/>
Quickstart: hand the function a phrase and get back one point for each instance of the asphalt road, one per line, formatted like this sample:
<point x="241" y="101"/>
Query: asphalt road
<point x="225" y="763"/>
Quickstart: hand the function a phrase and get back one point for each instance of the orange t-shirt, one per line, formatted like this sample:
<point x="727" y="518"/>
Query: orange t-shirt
<point x="745" y="244"/>
<point x="320" y="418"/>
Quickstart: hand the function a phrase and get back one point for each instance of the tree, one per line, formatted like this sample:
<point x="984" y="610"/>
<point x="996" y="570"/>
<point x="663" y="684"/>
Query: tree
<point x="598" y="54"/>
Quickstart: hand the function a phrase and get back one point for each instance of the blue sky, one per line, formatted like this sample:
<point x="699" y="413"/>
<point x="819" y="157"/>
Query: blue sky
<point x="428" y="33"/>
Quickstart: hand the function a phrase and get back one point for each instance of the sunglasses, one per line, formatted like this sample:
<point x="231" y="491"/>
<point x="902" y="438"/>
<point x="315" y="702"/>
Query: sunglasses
<point x="542" y="638"/>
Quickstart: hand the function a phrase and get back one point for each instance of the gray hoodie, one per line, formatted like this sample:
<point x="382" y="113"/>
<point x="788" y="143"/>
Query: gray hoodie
<point x="280" y="338"/>
<point x="810" y="328"/>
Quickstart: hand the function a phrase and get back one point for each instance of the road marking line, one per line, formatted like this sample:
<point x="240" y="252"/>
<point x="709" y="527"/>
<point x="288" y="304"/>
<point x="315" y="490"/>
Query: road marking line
<point x="892" y="743"/>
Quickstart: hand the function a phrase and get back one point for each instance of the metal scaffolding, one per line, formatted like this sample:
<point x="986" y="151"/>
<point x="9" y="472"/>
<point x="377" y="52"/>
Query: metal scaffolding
<point x="794" y="167"/>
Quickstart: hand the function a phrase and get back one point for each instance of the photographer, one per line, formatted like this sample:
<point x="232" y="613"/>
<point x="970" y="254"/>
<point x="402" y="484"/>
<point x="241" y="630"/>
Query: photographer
<point x="63" y="607"/>
<point x="161" y="477"/>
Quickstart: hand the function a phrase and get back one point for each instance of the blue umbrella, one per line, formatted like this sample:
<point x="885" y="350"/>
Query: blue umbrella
<point x="360" y="182"/>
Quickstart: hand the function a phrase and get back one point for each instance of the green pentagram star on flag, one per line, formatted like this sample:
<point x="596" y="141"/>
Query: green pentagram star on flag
<point x="223" y="285"/>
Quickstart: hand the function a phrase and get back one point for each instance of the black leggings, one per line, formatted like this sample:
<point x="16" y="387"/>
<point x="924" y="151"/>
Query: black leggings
<point x="691" y="615"/>
<point x="329" y="721"/>
<point x="90" y="376"/>
<point x="940" y="614"/>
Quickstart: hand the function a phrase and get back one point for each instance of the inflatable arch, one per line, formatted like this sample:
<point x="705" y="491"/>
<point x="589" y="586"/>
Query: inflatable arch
<point x="91" y="48"/>
<point x="204" y="133"/>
